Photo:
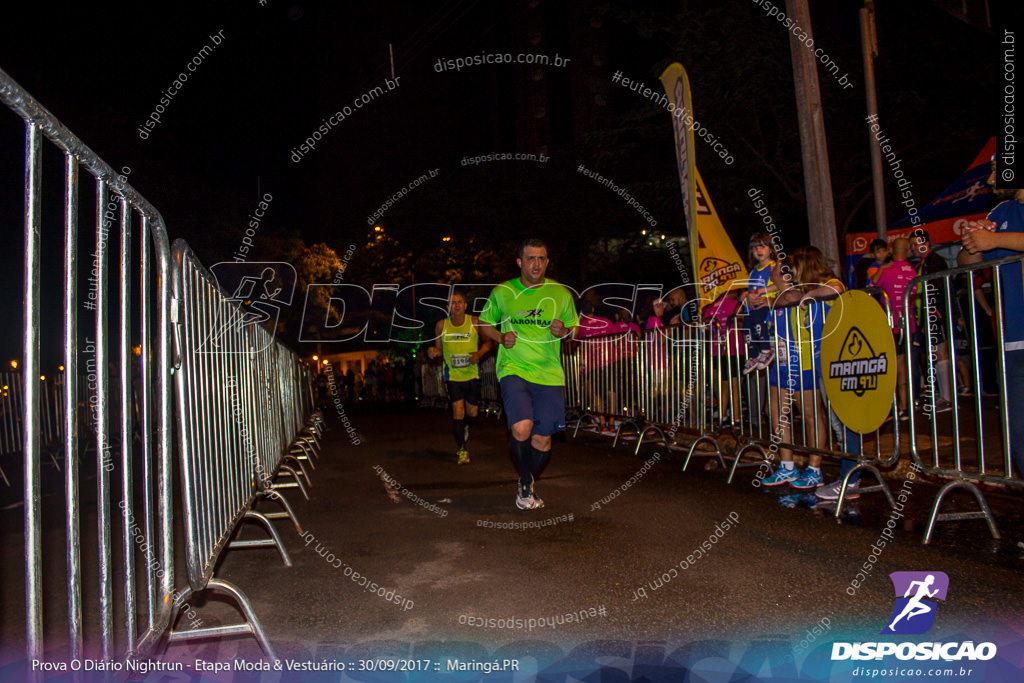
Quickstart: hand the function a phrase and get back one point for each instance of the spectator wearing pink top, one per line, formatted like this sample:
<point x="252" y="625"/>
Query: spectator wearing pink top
<point x="606" y="345"/>
<point x="893" y="278"/>
<point x="727" y="341"/>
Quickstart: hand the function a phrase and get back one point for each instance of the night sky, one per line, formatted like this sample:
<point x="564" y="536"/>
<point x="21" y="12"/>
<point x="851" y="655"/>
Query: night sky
<point x="229" y="135"/>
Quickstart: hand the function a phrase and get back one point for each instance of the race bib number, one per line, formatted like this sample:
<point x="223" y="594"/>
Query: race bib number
<point x="460" y="360"/>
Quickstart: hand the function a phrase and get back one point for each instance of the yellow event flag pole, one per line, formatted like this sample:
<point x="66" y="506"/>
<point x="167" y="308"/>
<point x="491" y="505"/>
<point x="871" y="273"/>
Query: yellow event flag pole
<point x="716" y="260"/>
<point x="677" y="87"/>
<point x="720" y="263"/>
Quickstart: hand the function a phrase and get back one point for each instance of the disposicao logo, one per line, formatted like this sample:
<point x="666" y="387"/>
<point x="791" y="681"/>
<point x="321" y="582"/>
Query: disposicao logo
<point x="915" y="608"/>
<point x="916" y="594"/>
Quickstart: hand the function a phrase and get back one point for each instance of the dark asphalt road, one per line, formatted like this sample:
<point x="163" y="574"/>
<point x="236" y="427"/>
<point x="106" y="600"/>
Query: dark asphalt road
<point x="763" y="582"/>
<point x="772" y="576"/>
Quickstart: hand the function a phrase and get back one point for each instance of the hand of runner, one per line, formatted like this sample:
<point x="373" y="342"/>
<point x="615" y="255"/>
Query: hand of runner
<point x="508" y="339"/>
<point x="432" y="352"/>
<point x="557" y="328"/>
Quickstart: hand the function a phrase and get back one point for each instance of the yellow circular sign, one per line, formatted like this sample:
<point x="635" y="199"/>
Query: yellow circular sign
<point x="858" y="361"/>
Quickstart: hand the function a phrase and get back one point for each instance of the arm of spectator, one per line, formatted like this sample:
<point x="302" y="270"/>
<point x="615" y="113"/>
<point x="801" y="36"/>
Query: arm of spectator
<point x="977" y="241"/>
<point x="979" y="296"/>
<point x="877" y="275"/>
<point x="788" y="297"/>
<point x="755" y="297"/>
<point x="966" y="258"/>
<point x="980" y="299"/>
<point x="828" y="289"/>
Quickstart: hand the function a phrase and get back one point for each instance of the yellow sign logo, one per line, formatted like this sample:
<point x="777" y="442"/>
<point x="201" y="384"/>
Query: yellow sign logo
<point x="858" y="367"/>
<point x="857" y="348"/>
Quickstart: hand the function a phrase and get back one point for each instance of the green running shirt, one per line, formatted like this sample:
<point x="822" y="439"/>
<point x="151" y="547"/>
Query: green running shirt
<point x="528" y="312"/>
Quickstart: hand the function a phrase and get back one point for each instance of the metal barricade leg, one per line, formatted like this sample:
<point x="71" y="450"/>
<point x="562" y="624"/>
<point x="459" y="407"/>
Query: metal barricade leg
<point x="736" y="463"/>
<point x="274" y="540"/>
<point x="936" y="517"/>
<point x="251" y="626"/>
<point x="297" y="483"/>
<point x="287" y="513"/>
<point x="880" y="486"/>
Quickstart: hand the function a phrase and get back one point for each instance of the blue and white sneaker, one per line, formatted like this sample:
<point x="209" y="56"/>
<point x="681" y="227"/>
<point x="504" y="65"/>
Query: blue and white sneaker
<point x="782" y="475"/>
<point x="790" y="501"/>
<point x="808" y="479"/>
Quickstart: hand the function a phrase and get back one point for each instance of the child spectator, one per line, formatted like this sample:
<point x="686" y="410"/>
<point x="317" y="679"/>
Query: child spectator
<point x="880" y="250"/>
<point x="798" y="334"/>
<point x="757" y="299"/>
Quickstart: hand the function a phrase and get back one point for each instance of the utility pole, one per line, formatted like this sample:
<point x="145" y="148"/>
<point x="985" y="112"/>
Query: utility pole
<point x="869" y="48"/>
<point x="821" y="215"/>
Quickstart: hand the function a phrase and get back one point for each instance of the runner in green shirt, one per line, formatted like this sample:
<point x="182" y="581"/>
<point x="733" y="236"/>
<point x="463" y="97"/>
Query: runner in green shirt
<point x="457" y="341"/>
<point x="528" y="317"/>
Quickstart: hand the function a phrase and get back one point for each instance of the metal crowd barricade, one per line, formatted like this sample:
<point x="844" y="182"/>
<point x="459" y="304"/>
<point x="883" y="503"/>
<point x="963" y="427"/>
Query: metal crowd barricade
<point x="671" y="393"/>
<point x="820" y="431"/>
<point x="688" y="379"/>
<point x="434" y="394"/>
<point x="300" y="422"/>
<point x="606" y="371"/>
<point x="51" y="415"/>
<point x="569" y="357"/>
<point x="128" y="249"/>
<point x="646" y="384"/>
<point x="11" y="413"/>
<point x="490" y="392"/>
<point x="967" y="441"/>
<point x="240" y="421"/>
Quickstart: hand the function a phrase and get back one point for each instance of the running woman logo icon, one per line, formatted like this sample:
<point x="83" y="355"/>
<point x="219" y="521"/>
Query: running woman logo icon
<point x="251" y="294"/>
<point x="916" y="592"/>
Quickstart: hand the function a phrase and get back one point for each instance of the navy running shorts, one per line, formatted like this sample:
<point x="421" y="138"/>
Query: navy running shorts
<point x="543" y="404"/>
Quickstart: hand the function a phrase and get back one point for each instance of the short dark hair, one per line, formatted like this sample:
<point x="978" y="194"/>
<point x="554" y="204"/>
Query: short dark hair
<point x="531" y="242"/>
<point x="878" y="243"/>
<point x="921" y="234"/>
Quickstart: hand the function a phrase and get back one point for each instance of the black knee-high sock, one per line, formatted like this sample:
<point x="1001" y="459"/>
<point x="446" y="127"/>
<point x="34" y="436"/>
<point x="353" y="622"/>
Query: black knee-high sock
<point x="521" y="454"/>
<point x="459" y="432"/>
<point x="537" y="461"/>
<point x="470" y="421"/>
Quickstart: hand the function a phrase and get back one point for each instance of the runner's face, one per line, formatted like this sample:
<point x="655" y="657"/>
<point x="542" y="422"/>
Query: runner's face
<point x="457" y="306"/>
<point x="533" y="265"/>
